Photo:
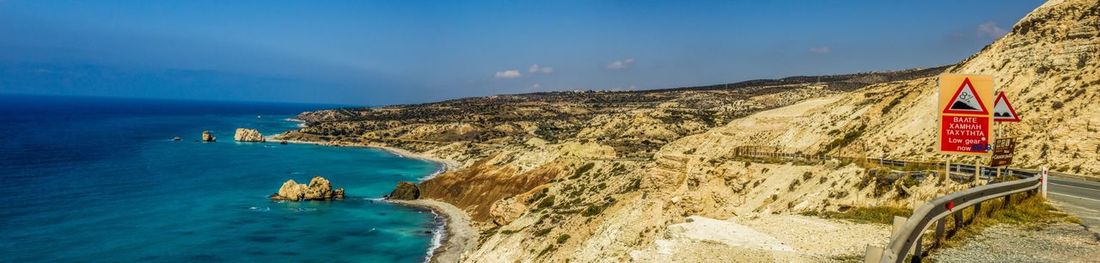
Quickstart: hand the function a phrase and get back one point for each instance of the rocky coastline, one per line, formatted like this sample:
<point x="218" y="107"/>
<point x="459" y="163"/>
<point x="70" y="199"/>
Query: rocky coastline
<point x="458" y="234"/>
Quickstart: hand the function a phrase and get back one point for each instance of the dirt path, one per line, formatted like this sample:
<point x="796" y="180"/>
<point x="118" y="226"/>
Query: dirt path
<point x="1063" y="242"/>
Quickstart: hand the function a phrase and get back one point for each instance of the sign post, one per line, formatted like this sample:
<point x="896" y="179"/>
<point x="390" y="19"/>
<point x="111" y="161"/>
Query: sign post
<point x="965" y="113"/>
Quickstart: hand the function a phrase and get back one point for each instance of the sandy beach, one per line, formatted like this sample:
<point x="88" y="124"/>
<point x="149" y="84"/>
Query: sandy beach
<point x="459" y="235"/>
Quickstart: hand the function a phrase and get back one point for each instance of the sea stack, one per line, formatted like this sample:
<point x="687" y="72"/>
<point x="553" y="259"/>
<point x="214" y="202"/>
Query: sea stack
<point x="207" y="137"/>
<point x="319" y="188"/>
<point x="248" y="135"/>
<point x="404" y="191"/>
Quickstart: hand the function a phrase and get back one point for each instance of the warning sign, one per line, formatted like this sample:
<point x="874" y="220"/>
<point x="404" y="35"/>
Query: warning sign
<point x="1002" y="151"/>
<point x="1003" y="110"/>
<point x="965" y="118"/>
<point x="964" y="134"/>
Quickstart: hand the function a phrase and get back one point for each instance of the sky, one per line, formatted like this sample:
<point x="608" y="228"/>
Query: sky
<point x="389" y="52"/>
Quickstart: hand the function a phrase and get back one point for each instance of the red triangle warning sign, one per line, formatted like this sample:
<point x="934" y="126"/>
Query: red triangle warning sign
<point x="966" y="101"/>
<point x="1003" y="111"/>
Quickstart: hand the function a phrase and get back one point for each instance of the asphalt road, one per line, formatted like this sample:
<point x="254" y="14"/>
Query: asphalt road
<point x="1078" y="197"/>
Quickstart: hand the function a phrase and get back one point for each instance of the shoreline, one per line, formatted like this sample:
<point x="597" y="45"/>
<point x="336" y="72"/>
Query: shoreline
<point x="457" y="235"/>
<point x="445" y="164"/>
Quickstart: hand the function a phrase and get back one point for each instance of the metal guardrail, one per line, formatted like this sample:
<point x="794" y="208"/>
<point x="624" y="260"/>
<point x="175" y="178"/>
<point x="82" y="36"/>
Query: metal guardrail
<point x="908" y="238"/>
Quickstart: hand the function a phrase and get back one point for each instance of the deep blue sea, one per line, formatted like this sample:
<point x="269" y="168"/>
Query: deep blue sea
<point x="99" y="180"/>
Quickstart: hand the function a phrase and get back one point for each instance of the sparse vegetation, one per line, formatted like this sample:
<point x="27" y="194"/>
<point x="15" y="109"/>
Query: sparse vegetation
<point x="562" y="238"/>
<point x="874" y="214"/>
<point x="546" y="202"/>
<point x="1031" y="212"/>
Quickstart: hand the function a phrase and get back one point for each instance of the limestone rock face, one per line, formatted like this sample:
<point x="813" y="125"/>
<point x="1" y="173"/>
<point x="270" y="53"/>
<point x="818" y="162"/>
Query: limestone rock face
<point x="248" y="135"/>
<point x="291" y="190"/>
<point x="319" y="188"/>
<point x="207" y="137"/>
<point x="404" y="191"/>
<point x="505" y="210"/>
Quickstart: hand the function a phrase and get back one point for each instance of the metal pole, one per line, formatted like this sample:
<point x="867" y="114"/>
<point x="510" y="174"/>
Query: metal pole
<point x="977" y="171"/>
<point x="947" y="167"/>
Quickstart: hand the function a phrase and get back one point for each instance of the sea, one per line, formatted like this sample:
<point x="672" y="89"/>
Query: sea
<point x="100" y="180"/>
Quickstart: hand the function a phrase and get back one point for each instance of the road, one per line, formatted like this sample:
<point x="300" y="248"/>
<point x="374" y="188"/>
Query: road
<point x="1078" y="197"/>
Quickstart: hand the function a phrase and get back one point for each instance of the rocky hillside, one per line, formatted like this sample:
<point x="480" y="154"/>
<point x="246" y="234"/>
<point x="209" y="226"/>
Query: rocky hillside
<point x="1047" y="66"/>
<point x="614" y="176"/>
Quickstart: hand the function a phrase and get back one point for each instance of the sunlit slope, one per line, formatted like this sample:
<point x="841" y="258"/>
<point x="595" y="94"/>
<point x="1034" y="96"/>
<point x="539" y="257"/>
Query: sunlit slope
<point x="1047" y="66"/>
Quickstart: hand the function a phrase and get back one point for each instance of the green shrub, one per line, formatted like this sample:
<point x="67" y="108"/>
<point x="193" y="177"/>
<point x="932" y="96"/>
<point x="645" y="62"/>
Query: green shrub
<point x="546" y="202"/>
<point x="562" y="238"/>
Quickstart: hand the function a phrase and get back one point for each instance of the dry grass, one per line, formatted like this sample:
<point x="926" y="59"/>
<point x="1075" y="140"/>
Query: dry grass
<point x="1032" y="212"/>
<point x="874" y="214"/>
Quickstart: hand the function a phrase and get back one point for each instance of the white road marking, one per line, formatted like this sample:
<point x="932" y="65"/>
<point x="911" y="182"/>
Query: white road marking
<point x="1066" y="185"/>
<point x="1074" y="196"/>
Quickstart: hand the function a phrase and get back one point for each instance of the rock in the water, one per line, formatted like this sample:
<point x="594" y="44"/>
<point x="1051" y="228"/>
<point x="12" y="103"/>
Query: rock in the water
<point x="319" y="188"/>
<point x="176" y="139"/>
<point x="207" y="137"/>
<point x="248" y="135"/>
<point x="404" y="191"/>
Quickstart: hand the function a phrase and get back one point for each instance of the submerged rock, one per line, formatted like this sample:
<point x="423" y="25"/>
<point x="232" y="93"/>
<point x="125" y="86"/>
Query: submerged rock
<point x="404" y="191"/>
<point x="207" y="137"/>
<point x="248" y="135"/>
<point x="319" y="188"/>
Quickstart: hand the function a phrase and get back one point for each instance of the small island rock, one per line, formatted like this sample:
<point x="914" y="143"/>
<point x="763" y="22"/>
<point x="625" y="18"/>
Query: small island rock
<point x="248" y="135"/>
<point x="404" y="191"/>
<point x="207" y="137"/>
<point x="319" y="188"/>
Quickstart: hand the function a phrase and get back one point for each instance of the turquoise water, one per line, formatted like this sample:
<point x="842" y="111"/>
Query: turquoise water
<point x="104" y="183"/>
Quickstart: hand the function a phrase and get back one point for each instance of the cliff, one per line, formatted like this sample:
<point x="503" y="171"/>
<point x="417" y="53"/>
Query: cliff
<point x="603" y="176"/>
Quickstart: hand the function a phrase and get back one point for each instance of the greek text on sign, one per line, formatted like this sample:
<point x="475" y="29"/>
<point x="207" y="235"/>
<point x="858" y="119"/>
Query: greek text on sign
<point x="965" y="116"/>
<point x="1003" y="110"/>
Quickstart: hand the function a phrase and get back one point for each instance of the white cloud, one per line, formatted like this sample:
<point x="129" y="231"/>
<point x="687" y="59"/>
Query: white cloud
<point x="991" y="30"/>
<point x="507" y="74"/>
<point x="536" y="86"/>
<point x="821" y="50"/>
<point x="539" y="69"/>
<point x="621" y="64"/>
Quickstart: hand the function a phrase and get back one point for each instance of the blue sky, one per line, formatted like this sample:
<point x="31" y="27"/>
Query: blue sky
<point x="383" y="52"/>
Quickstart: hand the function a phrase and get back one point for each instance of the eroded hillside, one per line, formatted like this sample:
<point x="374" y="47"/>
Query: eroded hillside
<point x="615" y="176"/>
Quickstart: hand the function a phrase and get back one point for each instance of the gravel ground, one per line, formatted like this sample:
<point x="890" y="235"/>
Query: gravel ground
<point x="1063" y="242"/>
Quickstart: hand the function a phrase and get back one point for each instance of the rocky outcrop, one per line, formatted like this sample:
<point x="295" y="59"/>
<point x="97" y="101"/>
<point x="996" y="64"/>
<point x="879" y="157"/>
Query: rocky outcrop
<point x="248" y="135"/>
<point x="208" y="137"/>
<point x="404" y="191"/>
<point x="505" y="211"/>
<point x="319" y="188"/>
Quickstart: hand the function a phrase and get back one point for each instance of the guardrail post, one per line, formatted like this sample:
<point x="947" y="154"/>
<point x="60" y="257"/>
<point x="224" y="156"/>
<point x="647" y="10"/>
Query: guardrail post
<point x="873" y="255"/>
<point x="940" y="224"/>
<point x="917" y="249"/>
<point x="958" y="220"/>
<point x="1043" y="180"/>
<point x="977" y="210"/>
<point x="1008" y="201"/>
<point x="898" y="222"/>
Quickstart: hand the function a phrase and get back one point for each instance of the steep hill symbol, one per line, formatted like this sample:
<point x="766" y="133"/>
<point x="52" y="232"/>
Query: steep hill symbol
<point x="966" y="100"/>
